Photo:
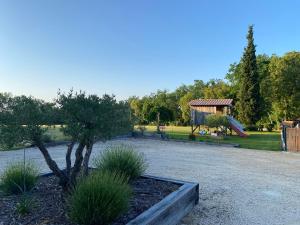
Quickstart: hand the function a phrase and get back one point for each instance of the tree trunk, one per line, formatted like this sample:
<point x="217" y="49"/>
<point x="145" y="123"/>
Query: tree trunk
<point x="158" y="120"/>
<point x="68" y="158"/>
<point x="63" y="179"/>
<point x="77" y="163"/>
<point x="89" y="148"/>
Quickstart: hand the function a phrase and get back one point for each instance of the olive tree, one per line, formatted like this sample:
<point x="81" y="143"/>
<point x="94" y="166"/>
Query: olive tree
<point x="217" y="121"/>
<point x="85" y="119"/>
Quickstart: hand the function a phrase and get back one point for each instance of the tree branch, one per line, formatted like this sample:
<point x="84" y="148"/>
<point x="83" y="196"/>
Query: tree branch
<point x="51" y="163"/>
<point x="68" y="158"/>
<point x="77" y="163"/>
<point x="89" y="148"/>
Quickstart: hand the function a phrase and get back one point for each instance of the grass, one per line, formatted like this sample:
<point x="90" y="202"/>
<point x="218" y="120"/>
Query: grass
<point x="53" y="132"/>
<point x="122" y="159"/>
<point x="99" y="198"/>
<point x="18" y="178"/>
<point x="255" y="140"/>
<point x="25" y="205"/>
<point x="56" y="134"/>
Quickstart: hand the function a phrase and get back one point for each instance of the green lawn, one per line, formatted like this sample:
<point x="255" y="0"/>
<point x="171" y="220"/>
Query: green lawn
<point x="55" y="133"/>
<point x="255" y="140"/>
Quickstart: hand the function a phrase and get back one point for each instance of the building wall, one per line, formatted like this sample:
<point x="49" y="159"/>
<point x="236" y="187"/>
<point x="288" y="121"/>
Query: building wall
<point x="221" y="110"/>
<point x="208" y="109"/>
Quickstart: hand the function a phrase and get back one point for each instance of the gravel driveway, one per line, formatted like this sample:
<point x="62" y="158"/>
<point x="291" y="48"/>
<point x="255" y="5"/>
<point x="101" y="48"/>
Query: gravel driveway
<point x="237" y="186"/>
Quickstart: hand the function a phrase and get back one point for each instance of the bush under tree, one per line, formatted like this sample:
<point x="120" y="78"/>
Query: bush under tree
<point x="217" y="121"/>
<point x="99" y="198"/>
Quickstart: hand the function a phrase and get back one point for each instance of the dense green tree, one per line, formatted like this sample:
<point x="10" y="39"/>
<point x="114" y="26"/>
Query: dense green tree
<point x="168" y="100"/>
<point x="234" y="75"/>
<point x="185" y="107"/>
<point x="181" y="91"/>
<point x="217" y="88"/>
<point x="265" y="86"/>
<point x="248" y="95"/>
<point x="148" y="103"/>
<point x="285" y="77"/>
<point x="197" y="89"/>
<point x="136" y="106"/>
<point x="160" y="114"/>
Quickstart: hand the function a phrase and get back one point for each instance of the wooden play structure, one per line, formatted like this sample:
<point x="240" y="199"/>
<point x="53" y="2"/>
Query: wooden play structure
<point x="215" y="106"/>
<point x="200" y="108"/>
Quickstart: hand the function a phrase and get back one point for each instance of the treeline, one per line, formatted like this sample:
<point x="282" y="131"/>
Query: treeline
<point x="265" y="90"/>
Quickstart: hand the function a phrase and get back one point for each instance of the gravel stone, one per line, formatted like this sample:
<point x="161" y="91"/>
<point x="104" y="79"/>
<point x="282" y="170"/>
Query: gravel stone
<point x="237" y="186"/>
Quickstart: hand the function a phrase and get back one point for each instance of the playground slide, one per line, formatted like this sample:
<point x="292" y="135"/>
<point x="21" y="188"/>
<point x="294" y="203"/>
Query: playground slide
<point x="237" y="126"/>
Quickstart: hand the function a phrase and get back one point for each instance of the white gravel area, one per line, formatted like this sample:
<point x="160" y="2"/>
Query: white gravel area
<point x="237" y="186"/>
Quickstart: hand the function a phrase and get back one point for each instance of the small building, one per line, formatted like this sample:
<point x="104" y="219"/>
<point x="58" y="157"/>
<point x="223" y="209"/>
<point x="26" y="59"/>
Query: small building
<point x="202" y="107"/>
<point x="212" y="106"/>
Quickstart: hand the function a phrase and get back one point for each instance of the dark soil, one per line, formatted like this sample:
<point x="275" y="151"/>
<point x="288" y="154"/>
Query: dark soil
<point x="50" y="203"/>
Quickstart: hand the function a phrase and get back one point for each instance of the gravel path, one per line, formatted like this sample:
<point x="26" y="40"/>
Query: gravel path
<point x="237" y="186"/>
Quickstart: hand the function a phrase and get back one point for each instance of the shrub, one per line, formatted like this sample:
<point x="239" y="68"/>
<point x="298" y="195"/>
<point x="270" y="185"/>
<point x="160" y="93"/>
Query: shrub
<point x="216" y="121"/>
<point x="192" y="137"/>
<point x="16" y="179"/>
<point x="260" y="127"/>
<point x="270" y="127"/>
<point x="121" y="159"/>
<point x="24" y="206"/>
<point x="99" y="198"/>
<point x="251" y="128"/>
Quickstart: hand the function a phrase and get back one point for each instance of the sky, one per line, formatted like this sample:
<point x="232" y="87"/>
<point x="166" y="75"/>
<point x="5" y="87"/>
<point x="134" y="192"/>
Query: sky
<point x="133" y="47"/>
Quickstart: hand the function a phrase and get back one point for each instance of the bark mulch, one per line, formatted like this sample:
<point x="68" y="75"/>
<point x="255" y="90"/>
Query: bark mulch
<point x="50" y="206"/>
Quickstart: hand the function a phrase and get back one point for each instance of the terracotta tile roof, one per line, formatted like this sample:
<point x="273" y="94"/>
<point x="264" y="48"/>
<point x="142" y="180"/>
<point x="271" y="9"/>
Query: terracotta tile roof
<point x="211" y="102"/>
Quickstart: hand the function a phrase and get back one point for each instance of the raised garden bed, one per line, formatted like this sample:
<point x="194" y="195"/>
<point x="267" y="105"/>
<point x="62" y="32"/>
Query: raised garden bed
<point x="155" y="200"/>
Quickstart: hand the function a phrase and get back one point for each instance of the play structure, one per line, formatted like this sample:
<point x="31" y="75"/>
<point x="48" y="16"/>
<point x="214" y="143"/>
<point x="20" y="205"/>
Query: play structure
<point x="200" y="108"/>
<point x="236" y="126"/>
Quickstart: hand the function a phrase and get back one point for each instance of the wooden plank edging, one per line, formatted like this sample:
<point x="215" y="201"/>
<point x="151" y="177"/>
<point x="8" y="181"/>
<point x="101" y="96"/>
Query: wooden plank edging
<point x="172" y="208"/>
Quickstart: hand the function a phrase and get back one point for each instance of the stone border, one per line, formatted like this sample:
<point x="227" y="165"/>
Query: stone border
<point x="172" y="208"/>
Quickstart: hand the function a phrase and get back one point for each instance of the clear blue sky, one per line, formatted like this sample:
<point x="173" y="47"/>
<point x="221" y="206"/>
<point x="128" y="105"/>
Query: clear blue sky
<point x="133" y="47"/>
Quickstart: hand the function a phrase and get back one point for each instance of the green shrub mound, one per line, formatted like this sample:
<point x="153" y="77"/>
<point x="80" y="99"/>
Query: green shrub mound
<point x="121" y="159"/>
<point x="216" y="121"/>
<point x="251" y="128"/>
<point x="192" y="137"/>
<point x="17" y="179"/>
<point x="99" y="199"/>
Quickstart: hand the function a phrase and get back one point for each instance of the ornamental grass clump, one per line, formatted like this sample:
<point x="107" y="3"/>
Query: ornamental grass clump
<point x="99" y="198"/>
<point x="121" y="159"/>
<point x="25" y="205"/>
<point x="18" y="178"/>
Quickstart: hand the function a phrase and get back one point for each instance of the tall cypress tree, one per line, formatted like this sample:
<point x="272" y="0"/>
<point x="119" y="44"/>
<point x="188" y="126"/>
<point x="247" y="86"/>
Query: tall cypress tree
<point x="248" y="96"/>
